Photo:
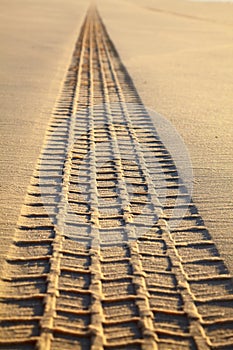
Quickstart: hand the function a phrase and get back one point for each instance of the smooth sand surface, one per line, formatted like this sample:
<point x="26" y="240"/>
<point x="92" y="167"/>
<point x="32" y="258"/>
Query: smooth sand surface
<point x="179" y="55"/>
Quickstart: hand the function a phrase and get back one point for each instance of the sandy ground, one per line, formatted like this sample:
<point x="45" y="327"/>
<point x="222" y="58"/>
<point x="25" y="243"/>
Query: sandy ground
<point x="179" y="54"/>
<point x="37" y="39"/>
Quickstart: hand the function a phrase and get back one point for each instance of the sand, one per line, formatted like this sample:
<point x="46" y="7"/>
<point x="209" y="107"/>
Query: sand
<point x="75" y="275"/>
<point x="37" y="39"/>
<point x="179" y="54"/>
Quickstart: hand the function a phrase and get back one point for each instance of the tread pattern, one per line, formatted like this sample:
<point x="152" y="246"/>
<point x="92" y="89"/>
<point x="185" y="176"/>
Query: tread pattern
<point x="77" y="275"/>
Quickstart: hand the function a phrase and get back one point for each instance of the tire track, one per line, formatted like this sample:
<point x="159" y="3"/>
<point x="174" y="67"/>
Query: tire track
<point x="79" y="274"/>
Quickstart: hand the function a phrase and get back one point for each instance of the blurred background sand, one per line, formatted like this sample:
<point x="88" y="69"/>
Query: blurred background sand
<point x="180" y="56"/>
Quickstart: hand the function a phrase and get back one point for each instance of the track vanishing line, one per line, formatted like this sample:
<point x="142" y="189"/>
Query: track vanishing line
<point x="79" y="274"/>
